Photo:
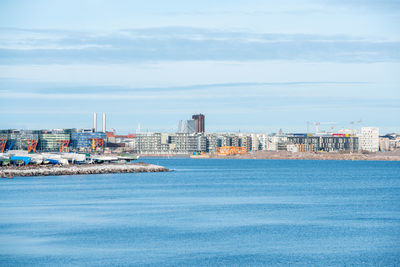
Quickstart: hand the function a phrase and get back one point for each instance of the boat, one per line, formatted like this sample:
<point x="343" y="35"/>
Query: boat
<point x="73" y="157"/>
<point x="36" y="159"/>
<point x="5" y="162"/>
<point x="51" y="161"/>
<point x="127" y="157"/>
<point x="102" y="159"/>
<point x="20" y="160"/>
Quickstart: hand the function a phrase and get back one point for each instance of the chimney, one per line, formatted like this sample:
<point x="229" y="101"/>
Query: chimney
<point x="104" y="122"/>
<point x="95" y="122"/>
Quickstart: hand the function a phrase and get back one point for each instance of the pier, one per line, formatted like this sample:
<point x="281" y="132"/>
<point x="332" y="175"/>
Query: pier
<point x="51" y="170"/>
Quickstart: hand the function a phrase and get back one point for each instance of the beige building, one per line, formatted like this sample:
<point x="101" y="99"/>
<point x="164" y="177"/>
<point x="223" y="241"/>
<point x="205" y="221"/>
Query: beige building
<point x="384" y="144"/>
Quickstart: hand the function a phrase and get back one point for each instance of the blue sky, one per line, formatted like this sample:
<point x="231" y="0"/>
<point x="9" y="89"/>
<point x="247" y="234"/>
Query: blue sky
<point x="254" y="66"/>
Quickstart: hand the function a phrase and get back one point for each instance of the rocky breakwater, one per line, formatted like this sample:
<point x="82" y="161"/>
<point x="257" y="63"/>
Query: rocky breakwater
<point x="46" y="170"/>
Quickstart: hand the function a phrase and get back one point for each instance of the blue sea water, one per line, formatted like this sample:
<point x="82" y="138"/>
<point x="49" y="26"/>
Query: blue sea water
<point x="207" y="212"/>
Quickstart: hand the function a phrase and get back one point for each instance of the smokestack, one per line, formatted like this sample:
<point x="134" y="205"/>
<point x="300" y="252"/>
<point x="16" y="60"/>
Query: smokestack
<point x="104" y="122"/>
<point x="95" y="122"/>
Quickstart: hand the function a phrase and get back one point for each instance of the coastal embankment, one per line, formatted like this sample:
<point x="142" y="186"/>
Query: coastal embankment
<point x="378" y="156"/>
<point x="47" y="170"/>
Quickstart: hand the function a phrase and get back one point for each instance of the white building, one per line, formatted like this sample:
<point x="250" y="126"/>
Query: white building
<point x="369" y="139"/>
<point x="257" y="141"/>
<point x="269" y="143"/>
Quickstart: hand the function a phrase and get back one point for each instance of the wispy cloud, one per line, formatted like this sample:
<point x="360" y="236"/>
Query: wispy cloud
<point x="180" y="44"/>
<point x="13" y="86"/>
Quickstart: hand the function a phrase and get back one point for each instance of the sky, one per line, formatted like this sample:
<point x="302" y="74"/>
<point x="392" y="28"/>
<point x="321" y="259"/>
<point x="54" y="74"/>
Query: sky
<point x="249" y="66"/>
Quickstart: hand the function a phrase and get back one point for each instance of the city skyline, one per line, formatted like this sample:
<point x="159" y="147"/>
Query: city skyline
<point x="197" y="124"/>
<point x="252" y="66"/>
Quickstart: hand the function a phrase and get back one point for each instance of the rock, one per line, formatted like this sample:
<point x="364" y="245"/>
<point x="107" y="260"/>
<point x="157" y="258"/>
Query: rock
<point x="80" y="169"/>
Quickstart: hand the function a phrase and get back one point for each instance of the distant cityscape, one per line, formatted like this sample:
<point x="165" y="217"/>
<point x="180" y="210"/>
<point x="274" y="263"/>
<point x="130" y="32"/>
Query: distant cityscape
<point x="192" y="138"/>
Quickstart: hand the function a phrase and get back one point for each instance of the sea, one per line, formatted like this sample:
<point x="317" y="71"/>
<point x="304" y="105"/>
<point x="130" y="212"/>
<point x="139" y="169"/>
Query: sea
<point x="207" y="212"/>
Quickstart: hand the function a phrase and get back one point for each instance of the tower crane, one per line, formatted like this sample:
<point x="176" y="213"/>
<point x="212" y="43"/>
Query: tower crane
<point x="317" y="124"/>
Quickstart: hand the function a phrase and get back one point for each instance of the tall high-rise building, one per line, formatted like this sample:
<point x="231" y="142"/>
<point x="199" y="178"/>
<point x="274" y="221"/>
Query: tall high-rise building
<point x="369" y="139"/>
<point x="200" y="123"/>
<point x="190" y="127"/>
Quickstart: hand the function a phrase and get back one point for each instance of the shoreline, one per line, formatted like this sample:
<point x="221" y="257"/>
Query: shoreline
<point x="50" y="170"/>
<point x="284" y="155"/>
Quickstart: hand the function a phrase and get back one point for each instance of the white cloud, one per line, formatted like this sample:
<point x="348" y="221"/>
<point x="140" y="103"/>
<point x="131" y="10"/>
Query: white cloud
<point x="183" y="73"/>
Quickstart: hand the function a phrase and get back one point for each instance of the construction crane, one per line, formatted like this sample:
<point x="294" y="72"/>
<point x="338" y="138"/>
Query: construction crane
<point x="63" y="144"/>
<point x="97" y="142"/>
<point x="180" y="126"/>
<point x="352" y="125"/>
<point x="32" y="144"/>
<point x="12" y="142"/>
<point x="3" y="143"/>
<point x="317" y="124"/>
<point x="359" y="124"/>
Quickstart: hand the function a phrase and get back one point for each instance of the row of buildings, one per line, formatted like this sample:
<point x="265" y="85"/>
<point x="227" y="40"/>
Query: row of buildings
<point x="184" y="143"/>
<point x="192" y="139"/>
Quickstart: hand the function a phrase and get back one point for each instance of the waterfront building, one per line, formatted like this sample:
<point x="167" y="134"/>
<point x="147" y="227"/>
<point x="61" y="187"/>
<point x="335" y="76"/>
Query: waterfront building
<point x="124" y="142"/>
<point x="211" y="143"/>
<point x="163" y="143"/>
<point x="235" y="140"/>
<point x="246" y="141"/>
<point x="384" y="144"/>
<point x="148" y="143"/>
<point x="85" y="141"/>
<point x="369" y="139"/>
<point x="328" y="143"/>
<point x="339" y="143"/>
<point x="20" y="139"/>
<point x="224" y="140"/>
<point x="255" y="142"/>
<point x="188" y="143"/>
<point x="305" y="140"/>
<point x="270" y="143"/>
<point x="53" y="141"/>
